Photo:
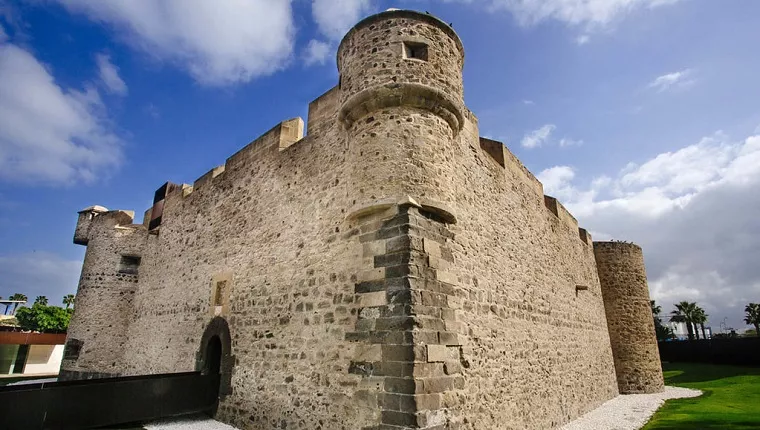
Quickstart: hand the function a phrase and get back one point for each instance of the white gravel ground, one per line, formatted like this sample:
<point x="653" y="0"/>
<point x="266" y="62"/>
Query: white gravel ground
<point x="628" y="412"/>
<point x="198" y="422"/>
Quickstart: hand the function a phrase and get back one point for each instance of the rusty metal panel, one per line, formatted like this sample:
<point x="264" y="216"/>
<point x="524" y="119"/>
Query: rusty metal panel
<point x="158" y="203"/>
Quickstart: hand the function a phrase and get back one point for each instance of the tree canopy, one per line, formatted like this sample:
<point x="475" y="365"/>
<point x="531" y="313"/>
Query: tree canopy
<point x="663" y="332"/>
<point x="752" y="316"/>
<point x="68" y="300"/>
<point x="43" y="318"/>
<point x="686" y="312"/>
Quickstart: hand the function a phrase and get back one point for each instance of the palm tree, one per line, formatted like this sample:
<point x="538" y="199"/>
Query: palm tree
<point x="685" y="312"/>
<point x="656" y="310"/>
<point x="752" y="316"/>
<point x="700" y="317"/>
<point x="41" y="300"/>
<point x="662" y="332"/>
<point x="68" y="300"/>
<point x="19" y="297"/>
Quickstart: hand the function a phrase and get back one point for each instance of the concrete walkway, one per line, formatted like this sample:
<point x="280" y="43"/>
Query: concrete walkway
<point x="628" y="412"/>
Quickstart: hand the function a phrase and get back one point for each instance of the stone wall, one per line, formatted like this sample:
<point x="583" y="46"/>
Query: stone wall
<point x="536" y="347"/>
<point x="629" y="317"/>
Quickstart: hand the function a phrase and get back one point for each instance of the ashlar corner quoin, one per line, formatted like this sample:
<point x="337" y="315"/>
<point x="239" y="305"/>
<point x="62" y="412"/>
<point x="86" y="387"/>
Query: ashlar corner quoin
<point x="390" y="269"/>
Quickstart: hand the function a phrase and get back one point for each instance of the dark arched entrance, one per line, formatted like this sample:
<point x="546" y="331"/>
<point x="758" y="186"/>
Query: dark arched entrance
<point x="213" y="362"/>
<point x="215" y="355"/>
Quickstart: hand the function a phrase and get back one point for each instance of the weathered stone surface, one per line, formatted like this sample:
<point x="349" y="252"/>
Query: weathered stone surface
<point x="382" y="272"/>
<point x="629" y="317"/>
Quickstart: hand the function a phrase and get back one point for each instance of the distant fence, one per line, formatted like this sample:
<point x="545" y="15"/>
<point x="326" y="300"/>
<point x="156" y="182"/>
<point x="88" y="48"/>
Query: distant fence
<point x="743" y="351"/>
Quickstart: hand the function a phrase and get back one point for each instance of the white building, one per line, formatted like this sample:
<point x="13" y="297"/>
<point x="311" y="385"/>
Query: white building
<point x="681" y="332"/>
<point x="29" y="353"/>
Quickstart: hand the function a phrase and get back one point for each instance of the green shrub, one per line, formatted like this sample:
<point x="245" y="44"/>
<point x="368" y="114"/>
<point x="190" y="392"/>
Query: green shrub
<point x="43" y="318"/>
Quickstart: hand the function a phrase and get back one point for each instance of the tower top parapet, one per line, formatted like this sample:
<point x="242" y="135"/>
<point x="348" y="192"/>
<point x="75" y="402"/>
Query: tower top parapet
<point x="94" y="209"/>
<point x="402" y="13"/>
<point x="401" y="58"/>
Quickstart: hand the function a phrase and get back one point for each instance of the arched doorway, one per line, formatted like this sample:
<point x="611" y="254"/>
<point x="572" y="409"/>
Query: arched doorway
<point x="213" y="362"/>
<point x="215" y="355"/>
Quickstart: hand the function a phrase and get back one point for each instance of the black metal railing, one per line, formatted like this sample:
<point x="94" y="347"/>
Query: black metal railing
<point x="108" y="401"/>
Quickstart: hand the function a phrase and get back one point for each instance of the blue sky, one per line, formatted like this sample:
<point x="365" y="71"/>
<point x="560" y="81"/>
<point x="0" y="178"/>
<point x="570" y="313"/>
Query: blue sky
<point x="642" y="116"/>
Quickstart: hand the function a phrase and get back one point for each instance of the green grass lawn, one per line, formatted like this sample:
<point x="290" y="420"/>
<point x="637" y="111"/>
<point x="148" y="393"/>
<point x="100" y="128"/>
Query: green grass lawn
<point x="731" y="398"/>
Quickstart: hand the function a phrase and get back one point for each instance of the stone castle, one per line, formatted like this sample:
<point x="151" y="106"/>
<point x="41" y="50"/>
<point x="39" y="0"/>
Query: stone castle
<point x="390" y="269"/>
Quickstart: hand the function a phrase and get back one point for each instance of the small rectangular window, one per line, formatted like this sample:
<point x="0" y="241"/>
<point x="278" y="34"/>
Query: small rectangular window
<point x="72" y="349"/>
<point x="416" y="50"/>
<point x="219" y="293"/>
<point x="129" y="264"/>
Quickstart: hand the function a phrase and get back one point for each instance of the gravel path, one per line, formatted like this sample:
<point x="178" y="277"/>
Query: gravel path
<point x="198" y="422"/>
<point x="628" y="412"/>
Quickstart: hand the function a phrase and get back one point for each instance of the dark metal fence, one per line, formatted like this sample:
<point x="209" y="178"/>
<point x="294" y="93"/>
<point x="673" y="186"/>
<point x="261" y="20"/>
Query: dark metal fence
<point x="108" y="401"/>
<point x="743" y="351"/>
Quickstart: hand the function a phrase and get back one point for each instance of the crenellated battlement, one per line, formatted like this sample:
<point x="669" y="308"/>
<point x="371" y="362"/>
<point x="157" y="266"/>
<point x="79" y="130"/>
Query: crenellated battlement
<point x="515" y="169"/>
<point x="321" y="115"/>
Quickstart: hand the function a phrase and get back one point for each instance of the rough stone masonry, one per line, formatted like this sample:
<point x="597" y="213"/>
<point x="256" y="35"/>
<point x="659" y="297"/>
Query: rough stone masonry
<point x="389" y="270"/>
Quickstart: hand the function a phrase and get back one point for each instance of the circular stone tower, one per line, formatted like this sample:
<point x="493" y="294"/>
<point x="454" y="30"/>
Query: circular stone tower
<point x="402" y="105"/>
<point x="629" y="317"/>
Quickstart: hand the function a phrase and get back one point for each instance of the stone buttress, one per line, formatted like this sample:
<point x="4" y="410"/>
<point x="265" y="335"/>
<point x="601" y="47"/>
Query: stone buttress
<point x="402" y="108"/>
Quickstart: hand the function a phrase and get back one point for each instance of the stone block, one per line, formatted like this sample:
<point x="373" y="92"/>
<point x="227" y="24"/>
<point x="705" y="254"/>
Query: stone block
<point x="365" y="352"/>
<point x="432" y="247"/>
<point x="377" y="298"/>
<point x="371" y="249"/>
<point x="446" y="277"/>
<point x="371" y="275"/>
<point x="437" y="353"/>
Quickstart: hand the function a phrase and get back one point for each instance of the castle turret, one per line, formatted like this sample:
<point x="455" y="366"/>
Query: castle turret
<point x="97" y="333"/>
<point x="402" y="104"/>
<point x="84" y="222"/>
<point x="629" y="317"/>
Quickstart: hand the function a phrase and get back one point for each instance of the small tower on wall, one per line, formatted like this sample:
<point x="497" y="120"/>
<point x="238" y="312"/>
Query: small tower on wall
<point x="629" y="317"/>
<point x="84" y="222"/>
<point x="97" y="333"/>
<point x="402" y="98"/>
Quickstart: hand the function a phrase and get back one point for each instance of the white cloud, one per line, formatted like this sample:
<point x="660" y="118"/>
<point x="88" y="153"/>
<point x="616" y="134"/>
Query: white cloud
<point x="693" y="211"/>
<point x="49" y="134"/>
<point x="316" y="52"/>
<point x="582" y="39"/>
<point x="675" y="80"/>
<point x="557" y="179"/>
<point x="573" y="12"/>
<point x="39" y="274"/>
<point x="335" y="17"/>
<point x="109" y="75"/>
<point x="3" y="36"/>
<point x="218" y="43"/>
<point x="153" y="111"/>
<point x="565" y="142"/>
<point x="528" y="102"/>
<point x="537" y="137"/>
